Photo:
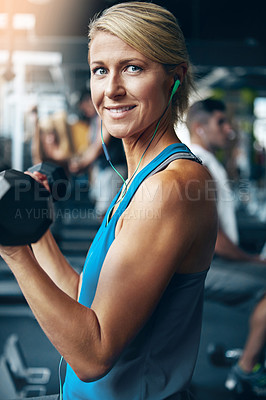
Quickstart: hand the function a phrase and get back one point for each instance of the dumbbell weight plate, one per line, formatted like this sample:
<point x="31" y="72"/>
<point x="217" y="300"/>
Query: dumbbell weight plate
<point x="216" y="354"/>
<point x="26" y="209"/>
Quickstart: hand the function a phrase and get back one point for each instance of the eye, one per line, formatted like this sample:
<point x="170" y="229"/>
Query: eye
<point x="99" y="71"/>
<point x="133" y="68"/>
<point x="221" y="121"/>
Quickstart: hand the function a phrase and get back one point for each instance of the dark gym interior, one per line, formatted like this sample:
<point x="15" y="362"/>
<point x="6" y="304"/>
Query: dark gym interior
<point x="44" y="63"/>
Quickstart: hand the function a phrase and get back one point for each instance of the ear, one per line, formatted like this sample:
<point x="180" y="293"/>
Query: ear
<point x="180" y="72"/>
<point x="197" y="129"/>
<point x="200" y="131"/>
<point x="177" y="77"/>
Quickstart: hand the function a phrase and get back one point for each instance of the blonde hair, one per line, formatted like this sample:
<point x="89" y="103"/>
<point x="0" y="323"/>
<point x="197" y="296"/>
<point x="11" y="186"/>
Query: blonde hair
<point x="154" y="32"/>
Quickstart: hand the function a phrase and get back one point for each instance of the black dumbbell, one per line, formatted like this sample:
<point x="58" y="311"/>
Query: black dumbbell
<point x="26" y="207"/>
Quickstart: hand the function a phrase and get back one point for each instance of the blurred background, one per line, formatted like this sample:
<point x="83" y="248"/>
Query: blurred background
<point x="43" y="70"/>
<point x="43" y="73"/>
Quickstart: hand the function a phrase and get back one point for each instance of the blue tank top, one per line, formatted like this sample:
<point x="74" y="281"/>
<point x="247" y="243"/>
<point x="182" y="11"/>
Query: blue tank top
<point x="160" y="361"/>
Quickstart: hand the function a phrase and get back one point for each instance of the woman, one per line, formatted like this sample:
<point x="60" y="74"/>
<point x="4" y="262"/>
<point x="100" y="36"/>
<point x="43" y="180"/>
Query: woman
<point x="134" y="331"/>
<point x="104" y="181"/>
<point x="52" y="140"/>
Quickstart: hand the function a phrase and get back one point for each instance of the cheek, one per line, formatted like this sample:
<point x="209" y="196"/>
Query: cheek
<point x="214" y="131"/>
<point x="154" y="91"/>
<point x="221" y="134"/>
<point x="154" y="98"/>
<point x="95" y="97"/>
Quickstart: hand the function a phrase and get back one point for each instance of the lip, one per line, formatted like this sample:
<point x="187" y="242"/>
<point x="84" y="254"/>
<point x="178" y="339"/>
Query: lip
<point x="119" y="111"/>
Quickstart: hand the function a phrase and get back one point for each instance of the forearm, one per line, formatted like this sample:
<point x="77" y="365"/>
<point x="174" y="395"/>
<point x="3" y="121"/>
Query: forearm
<point x="226" y="248"/>
<point x="55" y="265"/>
<point x="72" y="328"/>
<point x="91" y="154"/>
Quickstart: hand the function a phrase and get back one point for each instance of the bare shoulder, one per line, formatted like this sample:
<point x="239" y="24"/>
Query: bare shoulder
<point x="192" y="179"/>
<point x="189" y="188"/>
<point x="179" y="202"/>
<point x="183" y="182"/>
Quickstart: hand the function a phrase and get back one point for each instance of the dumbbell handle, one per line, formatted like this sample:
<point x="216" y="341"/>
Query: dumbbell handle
<point x="56" y="177"/>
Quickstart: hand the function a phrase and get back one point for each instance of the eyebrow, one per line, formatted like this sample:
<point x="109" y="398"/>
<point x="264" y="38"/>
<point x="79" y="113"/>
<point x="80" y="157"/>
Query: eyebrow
<point x="124" y="61"/>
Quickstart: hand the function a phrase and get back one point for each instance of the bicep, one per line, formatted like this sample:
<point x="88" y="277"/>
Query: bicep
<point x="136" y="271"/>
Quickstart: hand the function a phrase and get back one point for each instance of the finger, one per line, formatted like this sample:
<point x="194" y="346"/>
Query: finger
<point x="39" y="177"/>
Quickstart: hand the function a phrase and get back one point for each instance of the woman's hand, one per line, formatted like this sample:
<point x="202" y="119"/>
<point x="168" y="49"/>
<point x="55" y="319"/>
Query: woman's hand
<point x="78" y="164"/>
<point x="39" y="177"/>
<point x="17" y="251"/>
<point x="12" y="252"/>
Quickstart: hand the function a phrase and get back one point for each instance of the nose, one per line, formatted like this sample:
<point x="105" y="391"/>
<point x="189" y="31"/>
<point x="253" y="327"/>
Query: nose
<point x="229" y="133"/>
<point x="114" y="86"/>
<point x="227" y="128"/>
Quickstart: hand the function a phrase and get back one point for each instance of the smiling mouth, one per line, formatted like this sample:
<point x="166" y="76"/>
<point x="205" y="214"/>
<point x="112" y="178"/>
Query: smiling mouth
<point x="118" y="110"/>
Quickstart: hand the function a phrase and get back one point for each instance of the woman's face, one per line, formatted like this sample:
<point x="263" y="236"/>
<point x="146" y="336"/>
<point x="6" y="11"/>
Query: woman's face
<point x="130" y="92"/>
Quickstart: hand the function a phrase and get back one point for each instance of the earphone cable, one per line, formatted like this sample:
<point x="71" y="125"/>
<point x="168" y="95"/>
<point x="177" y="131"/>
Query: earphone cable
<point x="126" y="183"/>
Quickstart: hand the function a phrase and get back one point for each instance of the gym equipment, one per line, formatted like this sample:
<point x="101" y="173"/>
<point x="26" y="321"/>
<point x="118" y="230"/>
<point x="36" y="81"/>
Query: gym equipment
<point x="8" y="389"/>
<point x="57" y="179"/>
<point x="26" y="209"/>
<point x="18" y="366"/>
<point x="220" y="357"/>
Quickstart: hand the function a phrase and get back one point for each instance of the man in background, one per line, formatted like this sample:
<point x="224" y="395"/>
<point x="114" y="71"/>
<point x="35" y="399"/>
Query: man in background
<point x="210" y="131"/>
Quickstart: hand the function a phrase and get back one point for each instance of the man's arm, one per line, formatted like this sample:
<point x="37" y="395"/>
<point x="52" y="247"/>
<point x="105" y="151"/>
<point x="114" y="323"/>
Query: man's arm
<point x="226" y="248"/>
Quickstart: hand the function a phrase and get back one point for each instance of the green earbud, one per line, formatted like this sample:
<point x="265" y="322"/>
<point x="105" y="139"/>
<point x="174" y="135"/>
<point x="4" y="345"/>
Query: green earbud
<point x="176" y="86"/>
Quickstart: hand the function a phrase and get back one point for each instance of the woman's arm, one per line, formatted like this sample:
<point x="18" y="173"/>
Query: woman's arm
<point x="36" y="146"/>
<point x="158" y="236"/>
<point x="90" y="155"/>
<point x="72" y="328"/>
<point x="53" y="262"/>
<point x="50" y="258"/>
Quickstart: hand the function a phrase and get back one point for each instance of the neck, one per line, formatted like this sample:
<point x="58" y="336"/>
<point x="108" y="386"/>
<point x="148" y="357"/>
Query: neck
<point x="146" y="146"/>
<point x="199" y="141"/>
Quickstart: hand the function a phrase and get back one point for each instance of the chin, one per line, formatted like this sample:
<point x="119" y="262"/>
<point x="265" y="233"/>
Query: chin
<point x="119" y="132"/>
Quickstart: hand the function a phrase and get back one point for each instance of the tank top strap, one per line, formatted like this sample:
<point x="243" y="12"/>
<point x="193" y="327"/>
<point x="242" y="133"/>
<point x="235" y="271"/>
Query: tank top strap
<point x="173" y="152"/>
